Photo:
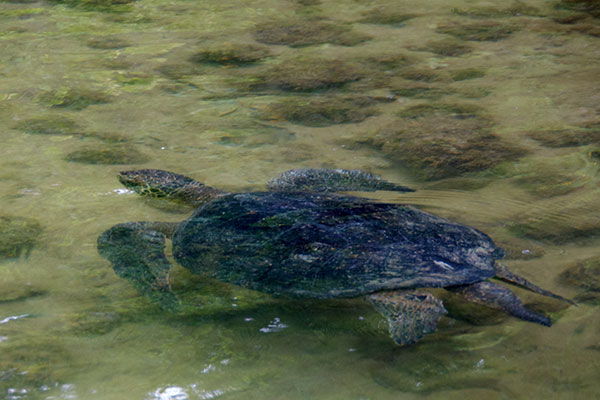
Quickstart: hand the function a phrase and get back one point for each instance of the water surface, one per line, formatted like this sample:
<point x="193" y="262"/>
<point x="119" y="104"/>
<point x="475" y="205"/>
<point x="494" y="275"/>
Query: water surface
<point x="92" y="88"/>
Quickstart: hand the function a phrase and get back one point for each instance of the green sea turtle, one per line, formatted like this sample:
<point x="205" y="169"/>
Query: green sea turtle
<point x="301" y="238"/>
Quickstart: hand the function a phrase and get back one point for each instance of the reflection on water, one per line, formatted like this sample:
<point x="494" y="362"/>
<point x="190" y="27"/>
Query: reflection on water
<point x="489" y="110"/>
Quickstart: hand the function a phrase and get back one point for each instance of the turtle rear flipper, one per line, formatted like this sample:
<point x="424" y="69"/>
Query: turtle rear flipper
<point x="503" y="273"/>
<point x="169" y="185"/>
<point x="410" y="314"/>
<point x="331" y="180"/>
<point x="136" y="250"/>
<point x="497" y="296"/>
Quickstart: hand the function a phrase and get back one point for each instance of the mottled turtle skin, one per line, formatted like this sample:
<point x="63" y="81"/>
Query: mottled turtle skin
<point x="302" y="239"/>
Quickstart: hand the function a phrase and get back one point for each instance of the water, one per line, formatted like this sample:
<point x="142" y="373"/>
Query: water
<point x="70" y="329"/>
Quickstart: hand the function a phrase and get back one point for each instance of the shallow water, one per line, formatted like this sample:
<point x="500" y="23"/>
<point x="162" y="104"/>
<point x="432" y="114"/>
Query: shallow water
<point x="71" y="329"/>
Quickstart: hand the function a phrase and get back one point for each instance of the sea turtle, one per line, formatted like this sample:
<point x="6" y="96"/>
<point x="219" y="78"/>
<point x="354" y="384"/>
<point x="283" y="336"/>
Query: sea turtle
<point x="301" y="238"/>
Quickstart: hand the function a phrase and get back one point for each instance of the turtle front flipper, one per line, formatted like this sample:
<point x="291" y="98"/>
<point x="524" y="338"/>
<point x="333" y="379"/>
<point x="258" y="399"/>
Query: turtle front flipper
<point x="169" y="185"/>
<point x="410" y="314"/>
<point x="497" y="296"/>
<point x="136" y="251"/>
<point x="331" y="180"/>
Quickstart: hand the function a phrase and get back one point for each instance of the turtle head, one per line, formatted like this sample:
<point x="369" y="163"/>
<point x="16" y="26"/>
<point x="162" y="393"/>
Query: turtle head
<point x="154" y="182"/>
<point x="166" y="184"/>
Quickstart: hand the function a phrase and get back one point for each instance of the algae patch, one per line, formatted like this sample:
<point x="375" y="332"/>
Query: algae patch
<point x="18" y="236"/>
<point x="231" y="53"/>
<point x="73" y="98"/>
<point x="297" y="32"/>
<point x="107" y="154"/>
<point x="306" y="74"/>
<point x="49" y="125"/>
<point x="321" y="111"/>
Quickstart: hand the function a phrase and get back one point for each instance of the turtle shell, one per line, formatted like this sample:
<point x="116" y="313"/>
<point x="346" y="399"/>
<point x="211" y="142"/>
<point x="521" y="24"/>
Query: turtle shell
<point x="327" y="245"/>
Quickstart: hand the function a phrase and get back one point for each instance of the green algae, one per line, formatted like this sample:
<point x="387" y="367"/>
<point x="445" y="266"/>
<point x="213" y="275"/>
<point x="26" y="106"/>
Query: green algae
<point x="419" y="75"/>
<point x="516" y="10"/>
<point x="296" y="32"/>
<point x="15" y="293"/>
<point x="134" y="79"/>
<point x="306" y="74"/>
<point x="422" y="92"/>
<point x="49" y="124"/>
<point x="437" y="141"/>
<point x="584" y="274"/>
<point x="90" y="323"/>
<point x="18" y="236"/>
<point x="106" y="154"/>
<point x="107" y="43"/>
<point x="553" y="229"/>
<point x="32" y="363"/>
<point x="447" y="48"/>
<point x="591" y="7"/>
<point x="549" y="185"/>
<point x="22" y="13"/>
<point x="580" y="136"/>
<point x="73" y="98"/>
<point x="467" y="74"/>
<point x="453" y="110"/>
<point x="384" y="16"/>
<point x="322" y="111"/>
<point x="479" y="32"/>
<point x="231" y="53"/>
<point x="108" y="6"/>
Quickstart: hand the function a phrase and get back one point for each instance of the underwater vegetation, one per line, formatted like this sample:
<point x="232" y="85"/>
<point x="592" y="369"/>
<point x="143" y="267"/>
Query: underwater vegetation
<point x="549" y="185"/>
<point x="321" y="111"/>
<point x="421" y="92"/>
<point x="49" y="125"/>
<point x="579" y="224"/>
<point x="591" y="7"/>
<point x="33" y="363"/>
<point x="580" y="136"/>
<point x="419" y="75"/>
<point x="584" y="275"/>
<point x="480" y="31"/>
<point x="384" y="16"/>
<point x="73" y="98"/>
<point x="110" y="6"/>
<point x="18" y="236"/>
<point x="297" y="32"/>
<point x="306" y="74"/>
<point x="231" y="53"/>
<point x="446" y="48"/>
<point x="107" y="43"/>
<point x="441" y="140"/>
<point x="467" y="73"/>
<point x="107" y="154"/>
<point x="515" y="10"/>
